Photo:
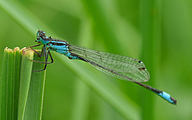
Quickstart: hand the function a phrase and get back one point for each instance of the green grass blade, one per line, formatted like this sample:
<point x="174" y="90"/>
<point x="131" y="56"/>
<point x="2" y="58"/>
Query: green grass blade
<point x="21" y="94"/>
<point x="26" y="69"/>
<point x="3" y="85"/>
<point x="150" y="21"/>
<point x="17" y="67"/>
<point x="10" y="74"/>
<point x="81" y="101"/>
<point x="31" y="88"/>
<point x="22" y="16"/>
<point x="34" y="104"/>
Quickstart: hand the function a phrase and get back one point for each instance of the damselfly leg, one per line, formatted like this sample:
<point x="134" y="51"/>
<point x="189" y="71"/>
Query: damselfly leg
<point x="44" y="53"/>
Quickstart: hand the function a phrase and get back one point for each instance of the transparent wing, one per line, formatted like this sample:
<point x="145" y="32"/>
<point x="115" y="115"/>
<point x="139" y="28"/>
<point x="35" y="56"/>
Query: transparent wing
<point x="122" y="67"/>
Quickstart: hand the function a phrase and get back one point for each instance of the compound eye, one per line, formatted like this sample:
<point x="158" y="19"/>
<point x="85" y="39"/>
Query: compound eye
<point x="38" y="38"/>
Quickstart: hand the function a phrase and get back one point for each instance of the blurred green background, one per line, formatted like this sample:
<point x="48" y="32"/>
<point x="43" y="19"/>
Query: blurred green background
<point x="156" y="32"/>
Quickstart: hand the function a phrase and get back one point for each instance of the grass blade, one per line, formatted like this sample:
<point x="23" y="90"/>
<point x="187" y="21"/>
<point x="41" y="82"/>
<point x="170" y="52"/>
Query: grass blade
<point x="31" y="88"/>
<point x="3" y="85"/>
<point x="26" y="69"/>
<point x="17" y="67"/>
<point x="36" y="92"/>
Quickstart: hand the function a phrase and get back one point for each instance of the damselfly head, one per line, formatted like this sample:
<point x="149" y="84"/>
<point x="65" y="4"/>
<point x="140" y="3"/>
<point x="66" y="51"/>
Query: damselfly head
<point x="38" y="37"/>
<point x="40" y="33"/>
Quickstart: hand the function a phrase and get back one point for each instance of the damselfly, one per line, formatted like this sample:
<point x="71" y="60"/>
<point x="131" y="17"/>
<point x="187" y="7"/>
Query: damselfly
<point x="122" y="67"/>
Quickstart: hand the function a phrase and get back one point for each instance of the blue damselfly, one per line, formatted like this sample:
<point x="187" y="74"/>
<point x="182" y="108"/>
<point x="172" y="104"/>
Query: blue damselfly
<point x="122" y="67"/>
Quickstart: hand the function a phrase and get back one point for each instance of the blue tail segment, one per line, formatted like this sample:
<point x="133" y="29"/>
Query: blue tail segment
<point x="167" y="97"/>
<point x="118" y="66"/>
<point x="162" y="94"/>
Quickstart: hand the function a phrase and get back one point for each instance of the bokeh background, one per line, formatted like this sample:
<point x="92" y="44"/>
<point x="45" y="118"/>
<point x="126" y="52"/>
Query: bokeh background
<point x="156" y="32"/>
